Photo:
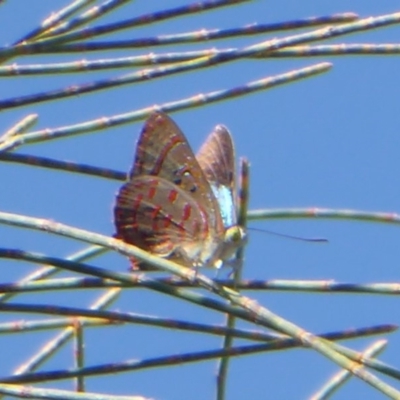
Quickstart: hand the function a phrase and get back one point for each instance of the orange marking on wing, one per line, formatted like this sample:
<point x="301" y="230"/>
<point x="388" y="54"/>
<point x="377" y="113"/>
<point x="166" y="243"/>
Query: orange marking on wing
<point x="163" y="154"/>
<point x="155" y="212"/>
<point x="204" y="225"/>
<point x="155" y="220"/>
<point x="186" y="212"/>
<point x="136" y="204"/>
<point x="172" y="196"/>
<point x="152" y="191"/>
<point x="167" y="220"/>
<point x="138" y="165"/>
<point x="172" y="142"/>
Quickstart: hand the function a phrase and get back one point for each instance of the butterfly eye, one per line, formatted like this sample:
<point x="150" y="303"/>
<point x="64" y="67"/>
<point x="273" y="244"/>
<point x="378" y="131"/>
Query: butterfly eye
<point x="235" y="234"/>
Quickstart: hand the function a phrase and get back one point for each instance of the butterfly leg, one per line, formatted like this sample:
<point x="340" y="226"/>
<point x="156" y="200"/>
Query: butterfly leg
<point x="235" y="264"/>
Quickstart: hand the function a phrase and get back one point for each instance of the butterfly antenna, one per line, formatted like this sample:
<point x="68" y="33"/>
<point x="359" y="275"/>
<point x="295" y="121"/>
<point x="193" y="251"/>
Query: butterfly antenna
<point x="303" y="239"/>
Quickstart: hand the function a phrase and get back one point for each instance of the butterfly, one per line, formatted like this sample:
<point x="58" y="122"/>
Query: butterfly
<point x="177" y="205"/>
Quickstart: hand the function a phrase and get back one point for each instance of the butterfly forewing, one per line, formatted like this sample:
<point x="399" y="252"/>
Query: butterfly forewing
<point x="217" y="161"/>
<point x="217" y="157"/>
<point x="163" y="151"/>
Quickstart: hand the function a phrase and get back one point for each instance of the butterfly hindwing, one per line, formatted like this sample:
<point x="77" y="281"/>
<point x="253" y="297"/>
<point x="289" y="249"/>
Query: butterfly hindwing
<point x="159" y="217"/>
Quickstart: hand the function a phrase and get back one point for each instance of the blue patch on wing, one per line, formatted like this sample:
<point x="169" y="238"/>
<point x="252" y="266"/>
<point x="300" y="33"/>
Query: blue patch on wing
<point x="226" y="204"/>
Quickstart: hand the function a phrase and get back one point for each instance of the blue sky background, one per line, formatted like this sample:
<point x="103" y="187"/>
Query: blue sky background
<point x="329" y="141"/>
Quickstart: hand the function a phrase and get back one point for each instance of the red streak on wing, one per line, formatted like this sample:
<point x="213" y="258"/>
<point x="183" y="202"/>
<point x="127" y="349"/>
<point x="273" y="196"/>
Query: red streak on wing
<point x="186" y="212"/>
<point x="133" y="225"/>
<point x="174" y="140"/>
<point x="160" y="121"/>
<point x="172" y="195"/>
<point x="136" y="204"/>
<point x="138" y="163"/>
<point x="167" y="220"/>
<point x="152" y="191"/>
<point x="155" y="212"/>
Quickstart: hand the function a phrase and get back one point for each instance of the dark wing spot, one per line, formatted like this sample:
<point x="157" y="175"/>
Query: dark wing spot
<point x="178" y="181"/>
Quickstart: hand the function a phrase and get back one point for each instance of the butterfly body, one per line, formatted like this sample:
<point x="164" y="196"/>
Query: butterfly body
<point x="178" y="206"/>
